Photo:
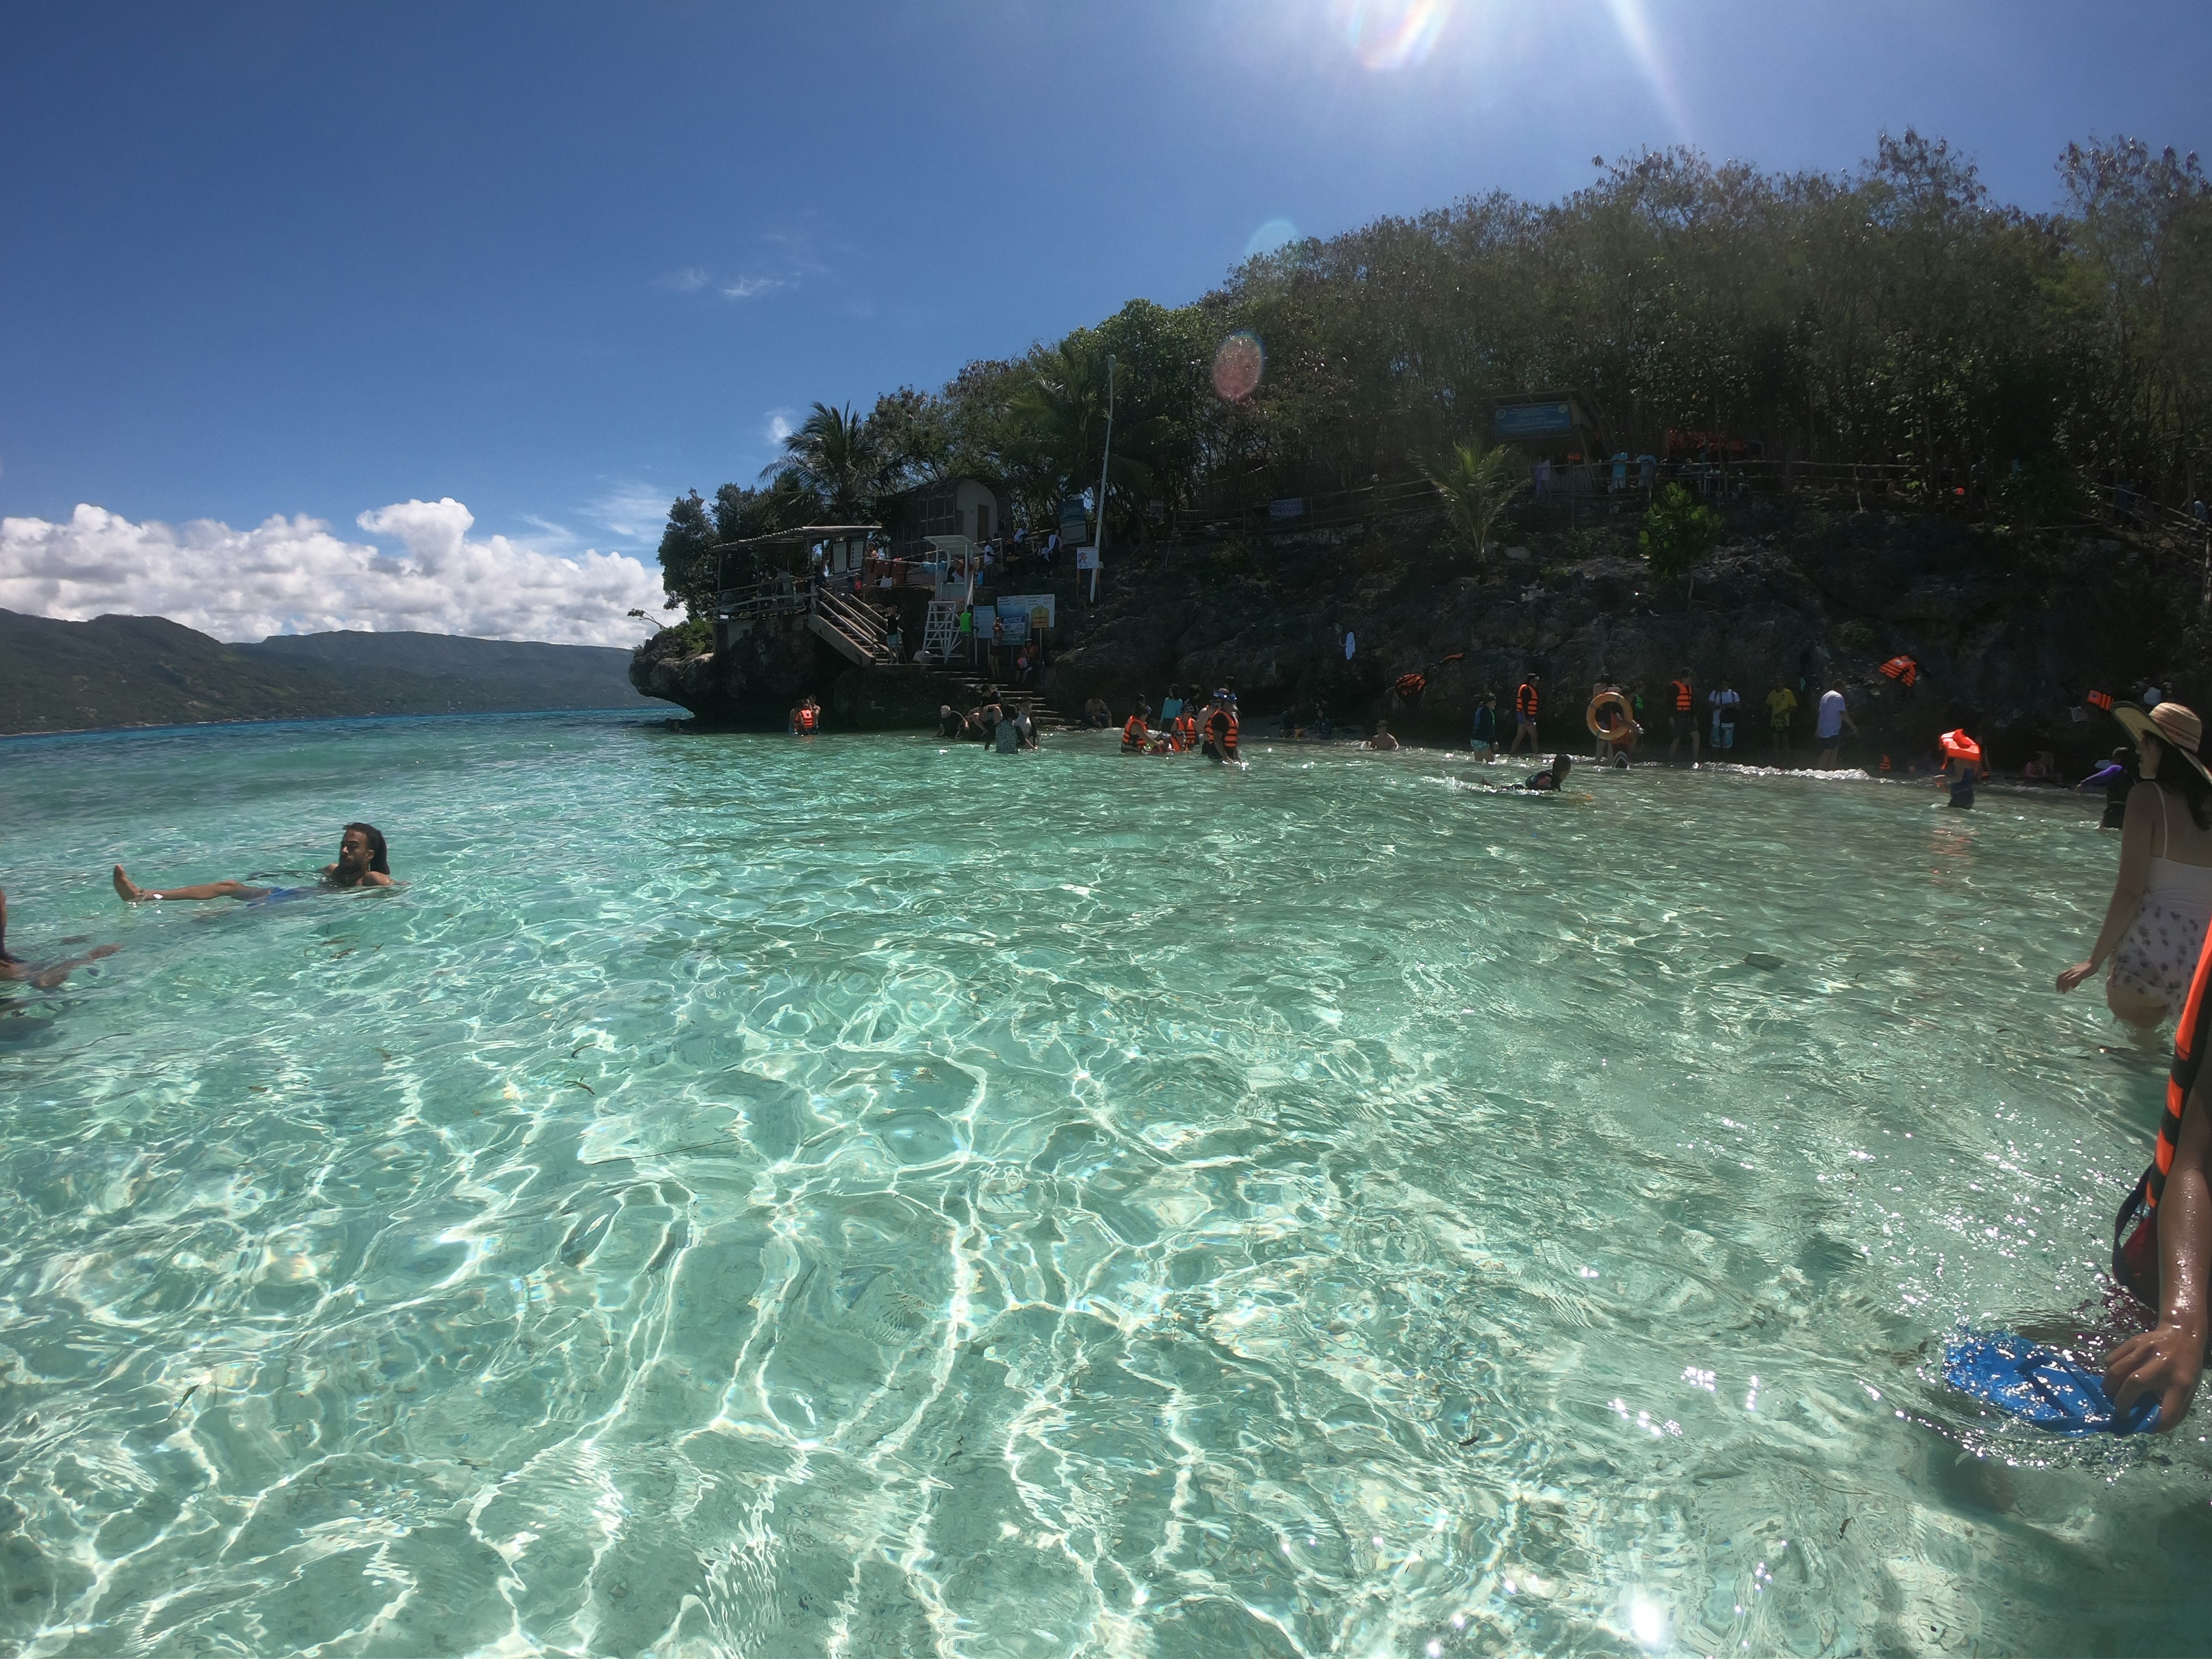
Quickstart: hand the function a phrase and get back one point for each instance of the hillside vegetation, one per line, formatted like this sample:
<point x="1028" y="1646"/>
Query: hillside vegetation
<point x="1893" y="314"/>
<point x="145" y="671"/>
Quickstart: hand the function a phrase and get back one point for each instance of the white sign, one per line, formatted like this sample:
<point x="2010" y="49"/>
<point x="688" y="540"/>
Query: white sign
<point x="1086" y="558"/>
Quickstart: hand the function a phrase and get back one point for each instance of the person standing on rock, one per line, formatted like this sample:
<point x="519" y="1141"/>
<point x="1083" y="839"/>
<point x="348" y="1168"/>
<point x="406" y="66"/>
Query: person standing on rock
<point x="1524" y="716"/>
<point x="1725" y="702"/>
<point x="1781" y="711"/>
<point x="1828" y="726"/>
<point x="1682" y="716"/>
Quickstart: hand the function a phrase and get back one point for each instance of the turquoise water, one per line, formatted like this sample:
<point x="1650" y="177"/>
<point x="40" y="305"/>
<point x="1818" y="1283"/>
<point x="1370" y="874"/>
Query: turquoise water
<point x="752" y="1197"/>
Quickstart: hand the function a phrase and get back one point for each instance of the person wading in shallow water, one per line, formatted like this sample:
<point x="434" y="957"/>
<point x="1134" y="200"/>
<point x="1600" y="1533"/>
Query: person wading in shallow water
<point x="44" y="975"/>
<point x="362" y="863"/>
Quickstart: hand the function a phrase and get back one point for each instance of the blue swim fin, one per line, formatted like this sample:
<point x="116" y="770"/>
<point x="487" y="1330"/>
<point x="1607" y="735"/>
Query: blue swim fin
<point x="2039" y="1385"/>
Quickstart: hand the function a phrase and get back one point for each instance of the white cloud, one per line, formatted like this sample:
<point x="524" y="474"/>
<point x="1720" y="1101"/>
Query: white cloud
<point x="294" y="576"/>
<point x="779" y="426"/>
<point x="744" y="288"/>
<point x="630" y="512"/>
<point x="689" y="279"/>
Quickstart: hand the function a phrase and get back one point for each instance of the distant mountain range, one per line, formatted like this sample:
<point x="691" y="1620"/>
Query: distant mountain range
<point x="145" y="671"/>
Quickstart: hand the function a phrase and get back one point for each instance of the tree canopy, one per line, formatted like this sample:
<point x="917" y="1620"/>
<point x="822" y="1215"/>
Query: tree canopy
<point x="1893" y="312"/>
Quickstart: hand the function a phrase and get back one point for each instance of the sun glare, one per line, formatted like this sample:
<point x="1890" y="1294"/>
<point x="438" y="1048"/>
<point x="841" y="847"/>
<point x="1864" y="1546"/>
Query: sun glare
<point x="1395" y="34"/>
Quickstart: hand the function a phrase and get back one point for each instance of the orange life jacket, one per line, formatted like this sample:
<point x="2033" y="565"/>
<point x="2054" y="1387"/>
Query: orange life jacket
<point x="1133" y="731"/>
<point x="2135" y="1234"/>
<point x="1682" y="698"/>
<point x="1223" y="721"/>
<point x="1524" y="701"/>
<point x="1186" y="728"/>
<point x="1902" y="669"/>
<point x="806" y="718"/>
<point x="2100" y="699"/>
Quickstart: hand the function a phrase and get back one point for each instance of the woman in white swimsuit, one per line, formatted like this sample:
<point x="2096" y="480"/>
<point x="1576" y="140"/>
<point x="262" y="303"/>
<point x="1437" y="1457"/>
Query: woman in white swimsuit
<point x="2154" y="926"/>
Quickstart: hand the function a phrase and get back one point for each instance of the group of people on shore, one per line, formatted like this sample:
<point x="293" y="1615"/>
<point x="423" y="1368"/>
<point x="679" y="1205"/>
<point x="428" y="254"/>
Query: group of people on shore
<point x="1618" y="719"/>
<point x="362" y="861"/>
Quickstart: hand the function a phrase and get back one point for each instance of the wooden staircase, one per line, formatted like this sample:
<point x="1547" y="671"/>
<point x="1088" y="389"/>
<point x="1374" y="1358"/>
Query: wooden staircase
<point x="966" y="689"/>
<point x="855" y="630"/>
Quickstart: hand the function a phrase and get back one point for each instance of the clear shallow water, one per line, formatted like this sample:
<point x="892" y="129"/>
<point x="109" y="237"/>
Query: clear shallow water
<point x="751" y="1197"/>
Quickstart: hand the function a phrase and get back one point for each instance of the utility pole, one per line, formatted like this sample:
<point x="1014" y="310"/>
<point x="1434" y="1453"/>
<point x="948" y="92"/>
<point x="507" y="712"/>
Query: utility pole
<point x="1098" y="541"/>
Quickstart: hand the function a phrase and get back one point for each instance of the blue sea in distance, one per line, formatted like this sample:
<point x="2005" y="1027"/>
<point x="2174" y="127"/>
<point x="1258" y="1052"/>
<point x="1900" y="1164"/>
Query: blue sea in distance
<point x="852" y="1197"/>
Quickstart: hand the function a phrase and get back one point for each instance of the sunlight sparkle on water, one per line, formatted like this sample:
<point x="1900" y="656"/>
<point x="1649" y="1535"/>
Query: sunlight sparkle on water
<point x="935" y="1176"/>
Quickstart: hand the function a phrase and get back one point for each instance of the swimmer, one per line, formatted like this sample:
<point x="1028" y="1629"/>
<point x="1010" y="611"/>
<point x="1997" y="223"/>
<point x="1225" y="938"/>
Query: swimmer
<point x="1382" y="739"/>
<point x="1552" y="777"/>
<point x="362" y="863"/>
<point x="15" y="970"/>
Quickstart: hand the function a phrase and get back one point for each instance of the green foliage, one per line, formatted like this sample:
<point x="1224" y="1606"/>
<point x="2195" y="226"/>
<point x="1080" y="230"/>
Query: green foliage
<point x="1478" y="485"/>
<point x="686" y="570"/>
<point x="1678" y="533"/>
<point x="1891" y="313"/>
<point x="685" y="638"/>
<point x="2043" y="492"/>
<point x="835" y="457"/>
<point x="1857" y="636"/>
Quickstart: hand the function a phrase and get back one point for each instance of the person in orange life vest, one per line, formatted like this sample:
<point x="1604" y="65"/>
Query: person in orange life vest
<point x="1186" y="729"/>
<point x="1524" y="716"/>
<point x="806" y="717"/>
<point x="1221" y="727"/>
<point x="1682" y="716"/>
<point x="1134" y="732"/>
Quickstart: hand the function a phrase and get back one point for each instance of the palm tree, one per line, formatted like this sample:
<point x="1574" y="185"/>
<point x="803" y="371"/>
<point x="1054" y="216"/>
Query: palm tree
<point x="1478" y="485"/>
<point x="1059" y="420"/>
<point x="834" y="455"/>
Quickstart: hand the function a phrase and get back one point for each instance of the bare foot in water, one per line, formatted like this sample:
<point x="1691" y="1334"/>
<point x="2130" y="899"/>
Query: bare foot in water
<point x="128" y="889"/>
<point x="46" y="979"/>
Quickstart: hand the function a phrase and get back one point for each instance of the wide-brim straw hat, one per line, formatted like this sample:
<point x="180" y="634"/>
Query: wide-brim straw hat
<point x="2173" y="723"/>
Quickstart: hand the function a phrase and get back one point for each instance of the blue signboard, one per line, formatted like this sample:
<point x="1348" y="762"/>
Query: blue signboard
<point x="1290" y="507"/>
<point x="1532" y="420"/>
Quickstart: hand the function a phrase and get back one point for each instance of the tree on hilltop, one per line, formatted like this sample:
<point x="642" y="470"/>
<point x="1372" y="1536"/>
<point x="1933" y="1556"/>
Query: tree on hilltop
<point x="834" y="456"/>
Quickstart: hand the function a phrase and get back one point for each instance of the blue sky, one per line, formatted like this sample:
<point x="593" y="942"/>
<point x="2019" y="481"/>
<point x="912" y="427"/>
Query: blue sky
<point x="559" y="261"/>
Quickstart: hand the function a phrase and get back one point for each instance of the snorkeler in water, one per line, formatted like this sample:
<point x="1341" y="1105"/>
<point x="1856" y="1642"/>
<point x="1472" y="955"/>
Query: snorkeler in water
<point x="1554" y="775"/>
<point x="361" y="862"/>
<point x="45" y="976"/>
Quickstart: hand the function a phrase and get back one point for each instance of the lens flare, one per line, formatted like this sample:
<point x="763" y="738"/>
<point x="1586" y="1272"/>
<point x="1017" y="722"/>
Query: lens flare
<point x="1239" y="365"/>
<point x="1395" y="34"/>
<point x="1275" y="234"/>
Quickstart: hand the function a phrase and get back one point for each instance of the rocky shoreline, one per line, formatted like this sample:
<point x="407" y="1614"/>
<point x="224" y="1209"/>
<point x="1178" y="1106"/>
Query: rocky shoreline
<point x="2012" y="629"/>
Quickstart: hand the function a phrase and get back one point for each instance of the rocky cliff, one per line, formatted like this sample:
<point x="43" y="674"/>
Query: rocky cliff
<point x="2011" y="629"/>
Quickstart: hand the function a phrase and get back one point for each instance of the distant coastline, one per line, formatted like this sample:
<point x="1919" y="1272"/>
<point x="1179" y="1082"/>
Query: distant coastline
<point x="137" y="673"/>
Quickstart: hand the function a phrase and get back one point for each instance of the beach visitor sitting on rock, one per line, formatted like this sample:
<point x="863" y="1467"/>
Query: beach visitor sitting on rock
<point x="44" y="975"/>
<point x="2154" y="926"/>
<point x="362" y="863"/>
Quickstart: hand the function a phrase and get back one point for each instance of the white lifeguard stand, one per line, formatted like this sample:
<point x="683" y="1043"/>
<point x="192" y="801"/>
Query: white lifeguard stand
<point x="940" y="633"/>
